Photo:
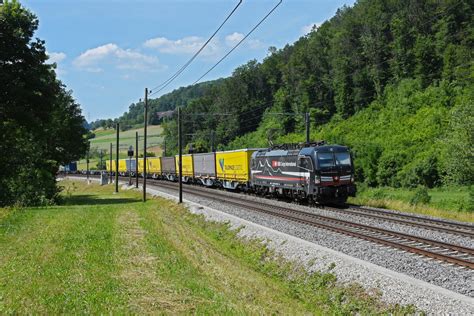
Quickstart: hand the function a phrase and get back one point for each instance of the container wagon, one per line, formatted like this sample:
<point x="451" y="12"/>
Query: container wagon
<point x="154" y="167"/>
<point x="187" y="169"/>
<point x="168" y="168"/>
<point x="205" y="168"/>
<point x="233" y="168"/>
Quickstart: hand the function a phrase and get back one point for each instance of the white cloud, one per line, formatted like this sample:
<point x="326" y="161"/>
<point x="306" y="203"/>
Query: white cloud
<point x="308" y="28"/>
<point x="191" y="44"/>
<point x="95" y="58"/>
<point x="56" y="57"/>
<point x="234" y="38"/>
<point x="186" y="45"/>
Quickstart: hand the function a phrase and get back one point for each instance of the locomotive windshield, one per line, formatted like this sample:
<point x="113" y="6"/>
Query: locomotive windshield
<point x="326" y="160"/>
<point x="343" y="159"/>
<point x="330" y="160"/>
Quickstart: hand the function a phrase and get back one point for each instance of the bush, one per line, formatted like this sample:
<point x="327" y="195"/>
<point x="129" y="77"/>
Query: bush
<point x="470" y="207"/>
<point x="421" y="196"/>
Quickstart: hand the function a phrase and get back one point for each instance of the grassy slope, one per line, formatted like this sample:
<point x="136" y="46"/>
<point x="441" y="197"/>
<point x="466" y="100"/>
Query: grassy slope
<point x="106" y="253"/>
<point x="103" y="139"/>
<point x="446" y="202"/>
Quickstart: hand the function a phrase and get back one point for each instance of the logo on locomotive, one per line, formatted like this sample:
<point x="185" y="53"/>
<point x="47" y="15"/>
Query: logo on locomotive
<point x="278" y="163"/>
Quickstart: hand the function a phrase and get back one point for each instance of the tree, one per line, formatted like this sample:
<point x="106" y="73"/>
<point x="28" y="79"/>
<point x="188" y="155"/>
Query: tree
<point x="41" y="125"/>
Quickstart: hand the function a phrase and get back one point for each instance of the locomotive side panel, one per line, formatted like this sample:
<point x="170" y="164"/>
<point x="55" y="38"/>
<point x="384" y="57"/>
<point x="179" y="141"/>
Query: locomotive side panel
<point x="278" y="171"/>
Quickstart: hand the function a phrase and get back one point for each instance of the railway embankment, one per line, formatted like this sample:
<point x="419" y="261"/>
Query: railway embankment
<point x="105" y="253"/>
<point x="400" y="277"/>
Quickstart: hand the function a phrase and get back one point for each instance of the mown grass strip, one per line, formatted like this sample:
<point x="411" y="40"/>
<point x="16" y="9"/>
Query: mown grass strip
<point x="102" y="253"/>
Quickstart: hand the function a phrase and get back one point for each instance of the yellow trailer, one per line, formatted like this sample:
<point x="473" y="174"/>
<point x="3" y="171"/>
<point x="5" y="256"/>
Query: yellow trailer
<point x="122" y="165"/>
<point x="233" y="167"/>
<point x="140" y="165"/>
<point x="154" y="165"/>
<point x="107" y="164"/>
<point x="188" y="166"/>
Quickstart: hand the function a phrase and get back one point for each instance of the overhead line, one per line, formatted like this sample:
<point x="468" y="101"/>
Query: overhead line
<point x="176" y="74"/>
<point x="240" y="42"/>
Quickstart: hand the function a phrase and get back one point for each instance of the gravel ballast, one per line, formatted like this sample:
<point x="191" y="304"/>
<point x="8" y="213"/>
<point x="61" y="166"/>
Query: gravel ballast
<point x="400" y="277"/>
<point x="394" y="287"/>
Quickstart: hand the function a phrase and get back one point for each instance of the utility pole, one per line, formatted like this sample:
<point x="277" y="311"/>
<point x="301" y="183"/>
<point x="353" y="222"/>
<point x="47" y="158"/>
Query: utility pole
<point x="117" y="157"/>
<point x="307" y="127"/>
<point x="144" y="144"/>
<point x="110" y="165"/>
<point x="180" y="164"/>
<point x="136" y="160"/>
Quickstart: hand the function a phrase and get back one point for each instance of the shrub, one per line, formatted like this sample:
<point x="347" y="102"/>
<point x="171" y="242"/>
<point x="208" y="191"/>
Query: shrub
<point x="421" y="196"/>
<point x="470" y="205"/>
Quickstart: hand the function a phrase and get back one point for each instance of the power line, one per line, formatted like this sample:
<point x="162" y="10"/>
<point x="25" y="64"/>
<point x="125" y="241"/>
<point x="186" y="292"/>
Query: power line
<point x="240" y="42"/>
<point x="176" y="74"/>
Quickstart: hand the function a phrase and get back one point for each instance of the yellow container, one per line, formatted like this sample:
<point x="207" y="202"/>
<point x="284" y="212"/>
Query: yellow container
<point x="154" y="165"/>
<point x="234" y="165"/>
<point x="122" y="165"/>
<point x="107" y="164"/>
<point x="140" y="165"/>
<point x="188" y="165"/>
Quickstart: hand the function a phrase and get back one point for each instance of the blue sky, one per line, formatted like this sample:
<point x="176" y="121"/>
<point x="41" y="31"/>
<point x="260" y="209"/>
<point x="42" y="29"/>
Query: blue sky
<point x="108" y="51"/>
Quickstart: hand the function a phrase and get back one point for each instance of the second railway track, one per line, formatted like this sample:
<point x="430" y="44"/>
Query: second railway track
<point x="446" y="252"/>
<point x="449" y="253"/>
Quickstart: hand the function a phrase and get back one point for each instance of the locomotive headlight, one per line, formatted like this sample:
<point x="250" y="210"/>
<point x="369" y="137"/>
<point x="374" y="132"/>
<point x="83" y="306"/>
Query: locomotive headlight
<point x="352" y="179"/>
<point x="317" y="179"/>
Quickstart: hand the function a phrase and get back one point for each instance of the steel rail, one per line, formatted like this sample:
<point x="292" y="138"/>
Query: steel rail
<point x="411" y="216"/>
<point x="318" y="220"/>
<point x="440" y="225"/>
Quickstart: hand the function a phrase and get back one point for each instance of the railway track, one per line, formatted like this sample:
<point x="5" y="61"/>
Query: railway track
<point x="407" y="219"/>
<point x="449" y="253"/>
<point x="433" y="249"/>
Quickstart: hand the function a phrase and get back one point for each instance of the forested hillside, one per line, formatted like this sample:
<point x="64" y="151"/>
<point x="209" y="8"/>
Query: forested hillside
<point x="179" y="97"/>
<point x="391" y="79"/>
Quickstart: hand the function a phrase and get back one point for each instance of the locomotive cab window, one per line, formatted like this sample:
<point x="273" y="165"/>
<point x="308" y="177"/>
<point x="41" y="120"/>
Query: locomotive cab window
<point x="326" y="160"/>
<point x="343" y="159"/>
<point x="305" y="163"/>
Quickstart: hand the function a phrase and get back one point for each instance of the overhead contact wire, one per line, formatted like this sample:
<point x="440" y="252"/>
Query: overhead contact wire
<point x="240" y="42"/>
<point x="175" y="75"/>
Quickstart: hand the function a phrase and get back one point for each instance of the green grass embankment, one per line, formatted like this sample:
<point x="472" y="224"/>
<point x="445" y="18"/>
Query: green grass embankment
<point x="454" y="203"/>
<point x="103" y="253"/>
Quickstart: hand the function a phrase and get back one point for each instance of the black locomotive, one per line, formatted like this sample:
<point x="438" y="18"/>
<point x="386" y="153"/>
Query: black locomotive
<point x="314" y="171"/>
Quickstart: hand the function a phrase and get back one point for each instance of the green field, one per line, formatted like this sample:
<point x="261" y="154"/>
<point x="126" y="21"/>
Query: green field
<point x="104" y="253"/>
<point x="103" y="138"/>
<point x="127" y="138"/>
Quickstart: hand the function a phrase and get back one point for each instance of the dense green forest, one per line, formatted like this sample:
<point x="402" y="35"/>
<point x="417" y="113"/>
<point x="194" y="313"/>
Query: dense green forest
<point x="41" y="126"/>
<point x="391" y="79"/>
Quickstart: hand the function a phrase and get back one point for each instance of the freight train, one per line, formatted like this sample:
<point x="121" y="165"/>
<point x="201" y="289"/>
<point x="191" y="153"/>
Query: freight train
<point x="316" y="172"/>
